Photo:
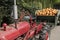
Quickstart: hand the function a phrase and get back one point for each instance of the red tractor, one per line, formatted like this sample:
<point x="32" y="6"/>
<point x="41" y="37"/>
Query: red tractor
<point x="25" y="31"/>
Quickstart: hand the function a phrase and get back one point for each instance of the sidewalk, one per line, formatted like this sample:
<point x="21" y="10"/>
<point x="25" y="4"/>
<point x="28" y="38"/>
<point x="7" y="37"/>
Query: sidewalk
<point x="55" y="33"/>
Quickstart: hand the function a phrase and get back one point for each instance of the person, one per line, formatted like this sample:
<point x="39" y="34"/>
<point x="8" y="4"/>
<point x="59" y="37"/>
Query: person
<point x="22" y="14"/>
<point x="27" y="15"/>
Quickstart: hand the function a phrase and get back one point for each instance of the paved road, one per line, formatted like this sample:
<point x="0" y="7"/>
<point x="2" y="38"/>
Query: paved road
<point x="55" y="33"/>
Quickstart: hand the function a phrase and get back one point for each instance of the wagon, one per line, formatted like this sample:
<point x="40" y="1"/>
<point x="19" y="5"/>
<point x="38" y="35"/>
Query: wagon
<point x="49" y="19"/>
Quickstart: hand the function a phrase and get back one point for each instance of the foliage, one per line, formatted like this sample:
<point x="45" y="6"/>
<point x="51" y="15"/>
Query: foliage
<point x="32" y="5"/>
<point x="5" y="6"/>
<point x="57" y="1"/>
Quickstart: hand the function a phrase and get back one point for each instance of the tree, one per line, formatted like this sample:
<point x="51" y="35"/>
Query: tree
<point x="5" y="6"/>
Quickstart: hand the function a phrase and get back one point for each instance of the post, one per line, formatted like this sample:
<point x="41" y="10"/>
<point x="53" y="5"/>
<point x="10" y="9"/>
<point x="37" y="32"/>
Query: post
<point x="14" y="2"/>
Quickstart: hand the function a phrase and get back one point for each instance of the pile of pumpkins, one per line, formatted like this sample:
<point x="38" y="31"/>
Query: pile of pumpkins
<point x="46" y="12"/>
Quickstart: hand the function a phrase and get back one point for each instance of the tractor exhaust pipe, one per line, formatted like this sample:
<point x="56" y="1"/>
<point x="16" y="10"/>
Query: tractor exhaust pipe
<point x="15" y="13"/>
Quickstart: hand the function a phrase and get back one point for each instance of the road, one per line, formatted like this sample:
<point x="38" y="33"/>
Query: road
<point x="55" y="33"/>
